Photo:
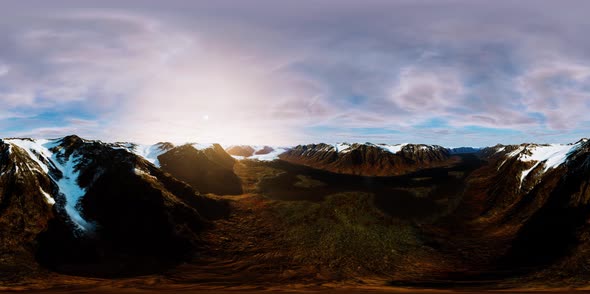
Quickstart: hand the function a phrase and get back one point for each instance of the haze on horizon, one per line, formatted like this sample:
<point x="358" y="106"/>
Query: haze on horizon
<point x="453" y="73"/>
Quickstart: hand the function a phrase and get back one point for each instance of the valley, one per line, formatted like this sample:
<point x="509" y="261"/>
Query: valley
<point x="467" y="225"/>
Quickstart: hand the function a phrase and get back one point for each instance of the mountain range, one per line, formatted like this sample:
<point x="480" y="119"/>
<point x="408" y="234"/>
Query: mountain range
<point x="89" y="208"/>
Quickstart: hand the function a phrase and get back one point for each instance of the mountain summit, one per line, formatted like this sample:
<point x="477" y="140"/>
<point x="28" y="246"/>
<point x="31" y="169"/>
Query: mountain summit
<point x="77" y="208"/>
<point x="369" y="159"/>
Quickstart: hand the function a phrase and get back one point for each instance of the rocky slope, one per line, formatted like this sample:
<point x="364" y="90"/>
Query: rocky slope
<point x="524" y="213"/>
<point x="368" y="159"/>
<point x="91" y="208"/>
<point x="26" y="207"/>
<point x="208" y="168"/>
<point x="82" y="206"/>
<point x="240" y="150"/>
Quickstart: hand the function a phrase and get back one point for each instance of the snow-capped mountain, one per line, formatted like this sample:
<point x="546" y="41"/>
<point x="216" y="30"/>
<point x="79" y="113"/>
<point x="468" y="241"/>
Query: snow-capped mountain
<point x="71" y="204"/>
<point x="241" y="150"/>
<point x="530" y="162"/>
<point x="200" y="165"/>
<point x="52" y="159"/>
<point x="538" y="195"/>
<point x="77" y="200"/>
<point x="262" y="153"/>
<point x="28" y="201"/>
<point x="206" y="167"/>
<point x="368" y="159"/>
<point x="148" y="152"/>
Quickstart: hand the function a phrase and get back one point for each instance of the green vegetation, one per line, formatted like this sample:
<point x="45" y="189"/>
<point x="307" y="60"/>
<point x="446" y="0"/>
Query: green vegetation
<point x="346" y="233"/>
<point x="307" y="182"/>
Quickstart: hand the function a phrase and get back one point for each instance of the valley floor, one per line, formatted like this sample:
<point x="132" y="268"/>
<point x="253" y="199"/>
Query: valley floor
<point x="257" y="249"/>
<point x="242" y="257"/>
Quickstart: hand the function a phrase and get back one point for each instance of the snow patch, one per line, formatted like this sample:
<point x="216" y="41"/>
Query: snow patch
<point x="34" y="149"/>
<point x="143" y="173"/>
<point x="48" y="197"/>
<point x="342" y="147"/>
<point x="551" y="156"/>
<point x="152" y="152"/>
<point x="202" y="146"/>
<point x="148" y="152"/>
<point x="501" y="164"/>
<point x="392" y="148"/>
<point x="273" y="155"/>
<point x="67" y="184"/>
<point x="516" y="152"/>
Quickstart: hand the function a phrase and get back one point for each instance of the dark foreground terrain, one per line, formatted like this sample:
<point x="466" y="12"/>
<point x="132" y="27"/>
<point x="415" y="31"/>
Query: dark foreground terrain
<point x="468" y="226"/>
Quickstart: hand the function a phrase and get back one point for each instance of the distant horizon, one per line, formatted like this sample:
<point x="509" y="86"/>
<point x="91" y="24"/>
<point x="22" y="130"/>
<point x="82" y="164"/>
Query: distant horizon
<point x="443" y="72"/>
<point x="227" y="145"/>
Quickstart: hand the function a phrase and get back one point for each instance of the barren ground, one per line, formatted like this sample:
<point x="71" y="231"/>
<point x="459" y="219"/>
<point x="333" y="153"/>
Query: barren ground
<point x="252" y="252"/>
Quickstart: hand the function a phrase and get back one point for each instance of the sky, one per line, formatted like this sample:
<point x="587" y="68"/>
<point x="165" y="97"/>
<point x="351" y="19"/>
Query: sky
<point x="278" y="72"/>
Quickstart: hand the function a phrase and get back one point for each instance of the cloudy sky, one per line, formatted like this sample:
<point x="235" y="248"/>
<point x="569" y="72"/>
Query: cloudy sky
<point x="284" y="72"/>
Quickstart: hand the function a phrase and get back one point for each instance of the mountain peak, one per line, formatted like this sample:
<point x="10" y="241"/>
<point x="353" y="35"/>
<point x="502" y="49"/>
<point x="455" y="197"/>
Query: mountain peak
<point x="367" y="158"/>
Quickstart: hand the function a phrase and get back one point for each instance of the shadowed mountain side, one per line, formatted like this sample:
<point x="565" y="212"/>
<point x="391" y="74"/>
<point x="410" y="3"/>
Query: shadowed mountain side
<point x="505" y="216"/>
<point x="207" y="171"/>
<point x="557" y="231"/>
<point x="519" y="220"/>
<point x="139" y="219"/>
<point x="24" y="211"/>
<point x="416" y="195"/>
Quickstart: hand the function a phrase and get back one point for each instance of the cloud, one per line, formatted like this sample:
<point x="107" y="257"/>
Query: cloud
<point x="4" y="69"/>
<point x="428" y="90"/>
<point x="267" y="72"/>
<point x="50" y="132"/>
<point x="559" y="91"/>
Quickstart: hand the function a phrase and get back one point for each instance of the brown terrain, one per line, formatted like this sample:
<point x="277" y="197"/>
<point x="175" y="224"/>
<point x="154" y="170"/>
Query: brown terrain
<point x="465" y="225"/>
<point x="368" y="159"/>
<point x="248" y="151"/>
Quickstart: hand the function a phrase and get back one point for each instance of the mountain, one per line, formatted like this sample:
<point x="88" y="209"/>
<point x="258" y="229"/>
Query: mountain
<point x="507" y="213"/>
<point x="148" y="152"/>
<point x="262" y="153"/>
<point x="524" y="210"/>
<point x="240" y="150"/>
<point x="26" y="207"/>
<point x="205" y="167"/>
<point x="75" y="205"/>
<point x="368" y="159"/>
<point x="527" y="209"/>
<point x="464" y="150"/>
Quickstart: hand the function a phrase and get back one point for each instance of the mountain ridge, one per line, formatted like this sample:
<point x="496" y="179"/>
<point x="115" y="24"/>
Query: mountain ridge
<point x="89" y="208"/>
<point x="80" y="206"/>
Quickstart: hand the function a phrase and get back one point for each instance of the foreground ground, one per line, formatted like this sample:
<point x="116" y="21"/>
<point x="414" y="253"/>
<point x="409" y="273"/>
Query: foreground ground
<point x="295" y="230"/>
